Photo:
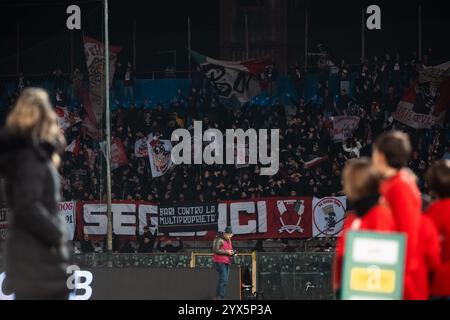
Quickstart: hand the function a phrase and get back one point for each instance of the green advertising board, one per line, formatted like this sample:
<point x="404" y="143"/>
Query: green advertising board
<point x="374" y="265"/>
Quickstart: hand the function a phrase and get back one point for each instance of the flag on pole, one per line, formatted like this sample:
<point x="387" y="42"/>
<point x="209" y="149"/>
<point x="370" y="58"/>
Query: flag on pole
<point x="93" y="103"/>
<point x="315" y="162"/>
<point x="118" y="155"/>
<point x="233" y="79"/>
<point x="140" y="148"/>
<point x="425" y="104"/>
<point x="159" y="153"/>
<point x="66" y="119"/>
<point x="74" y="147"/>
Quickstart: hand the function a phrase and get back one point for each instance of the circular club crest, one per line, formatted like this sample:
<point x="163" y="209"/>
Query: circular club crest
<point x="328" y="217"/>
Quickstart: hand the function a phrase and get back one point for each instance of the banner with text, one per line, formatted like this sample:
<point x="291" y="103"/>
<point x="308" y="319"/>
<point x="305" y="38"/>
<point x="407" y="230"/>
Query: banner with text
<point x="187" y="217"/>
<point x="66" y="210"/>
<point x="233" y="79"/>
<point x="344" y="126"/>
<point x="425" y="104"/>
<point x="328" y="216"/>
<point x="264" y="218"/>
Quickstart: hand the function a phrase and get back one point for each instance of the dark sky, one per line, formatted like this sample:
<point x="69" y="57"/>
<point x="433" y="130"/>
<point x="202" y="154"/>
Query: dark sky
<point x="162" y="26"/>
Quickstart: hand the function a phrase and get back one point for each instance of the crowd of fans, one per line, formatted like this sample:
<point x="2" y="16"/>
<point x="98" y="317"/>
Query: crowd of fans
<point x="305" y="134"/>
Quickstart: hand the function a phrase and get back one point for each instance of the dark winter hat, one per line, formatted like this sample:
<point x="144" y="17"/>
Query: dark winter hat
<point x="228" y="230"/>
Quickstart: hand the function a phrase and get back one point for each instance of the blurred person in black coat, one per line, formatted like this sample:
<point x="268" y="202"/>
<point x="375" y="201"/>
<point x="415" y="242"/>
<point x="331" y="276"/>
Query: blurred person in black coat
<point x="36" y="253"/>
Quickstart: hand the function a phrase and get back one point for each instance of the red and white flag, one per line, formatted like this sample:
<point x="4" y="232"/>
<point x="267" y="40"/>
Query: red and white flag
<point x="315" y="162"/>
<point x="118" y="155"/>
<point x="74" y="147"/>
<point x="140" y="148"/>
<point x="159" y="153"/>
<point x="233" y="79"/>
<point x="93" y="102"/>
<point x="344" y="126"/>
<point x="425" y="104"/>
<point x="66" y="119"/>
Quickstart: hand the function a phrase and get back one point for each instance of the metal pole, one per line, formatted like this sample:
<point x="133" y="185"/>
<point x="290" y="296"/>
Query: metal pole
<point x="363" y="38"/>
<point x="107" y="132"/>
<point x="18" y="48"/>
<point x="134" y="44"/>
<point x="175" y="59"/>
<point x="420" y="33"/>
<point x="246" y="38"/>
<point x="306" y="40"/>
<point x="189" y="45"/>
<point x="71" y="52"/>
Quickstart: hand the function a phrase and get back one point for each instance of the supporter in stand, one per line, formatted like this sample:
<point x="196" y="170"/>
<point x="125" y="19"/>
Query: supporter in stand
<point x="86" y="245"/>
<point x="305" y="130"/>
<point x="147" y="241"/>
<point x="168" y="246"/>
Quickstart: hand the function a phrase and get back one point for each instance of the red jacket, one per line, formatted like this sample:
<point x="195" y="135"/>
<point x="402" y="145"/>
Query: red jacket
<point x="403" y="197"/>
<point x="439" y="213"/>
<point x="430" y="249"/>
<point x="379" y="218"/>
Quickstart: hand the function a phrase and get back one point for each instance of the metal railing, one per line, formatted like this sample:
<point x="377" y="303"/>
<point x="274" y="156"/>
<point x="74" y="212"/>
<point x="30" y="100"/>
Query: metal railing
<point x="287" y="276"/>
<point x="275" y="275"/>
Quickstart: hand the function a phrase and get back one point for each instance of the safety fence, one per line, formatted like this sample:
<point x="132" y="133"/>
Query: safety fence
<point x="303" y="276"/>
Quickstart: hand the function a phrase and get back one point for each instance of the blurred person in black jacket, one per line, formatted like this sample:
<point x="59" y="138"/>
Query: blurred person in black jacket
<point x="37" y="253"/>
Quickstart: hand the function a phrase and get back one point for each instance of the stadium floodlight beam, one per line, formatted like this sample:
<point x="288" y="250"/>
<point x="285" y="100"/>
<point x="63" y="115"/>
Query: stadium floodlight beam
<point x="107" y="131"/>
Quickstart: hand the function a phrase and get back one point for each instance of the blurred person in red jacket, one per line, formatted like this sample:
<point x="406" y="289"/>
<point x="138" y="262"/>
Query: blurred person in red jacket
<point x="390" y="157"/>
<point x="430" y="250"/>
<point x="438" y="181"/>
<point x="361" y="185"/>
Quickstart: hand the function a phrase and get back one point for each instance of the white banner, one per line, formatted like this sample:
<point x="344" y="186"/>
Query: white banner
<point x="232" y="79"/>
<point x="159" y="153"/>
<point x="67" y="210"/>
<point x="123" y="217"/>
<point x="425" y="104"/>
<point x="344" y="126"/>
<point x="140" y="148"/>
<point x="66" y="119"/>
<point x="328" y="216"/>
